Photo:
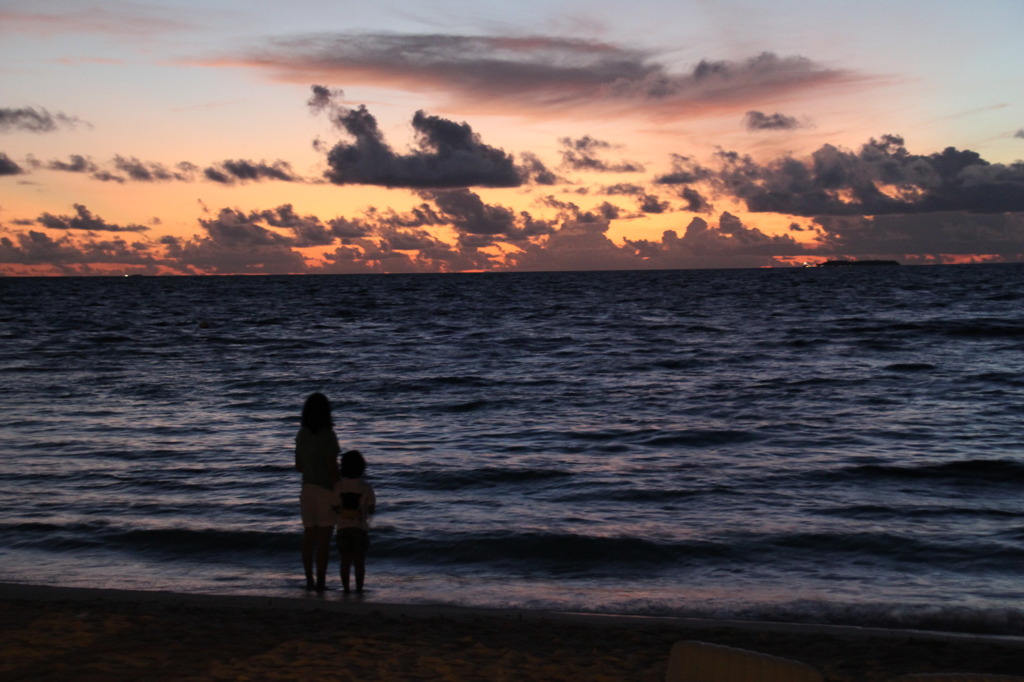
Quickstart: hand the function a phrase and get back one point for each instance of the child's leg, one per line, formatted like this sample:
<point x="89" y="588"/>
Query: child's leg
<point x="346" y="565"/>
<point x="360" y="562"/>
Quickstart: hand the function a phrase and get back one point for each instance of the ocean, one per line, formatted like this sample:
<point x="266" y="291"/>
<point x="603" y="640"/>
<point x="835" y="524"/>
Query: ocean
<point x="821" y="445"/>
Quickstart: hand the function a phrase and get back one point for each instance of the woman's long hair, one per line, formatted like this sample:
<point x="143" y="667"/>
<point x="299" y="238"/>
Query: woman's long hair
<point x="316" y="413"/>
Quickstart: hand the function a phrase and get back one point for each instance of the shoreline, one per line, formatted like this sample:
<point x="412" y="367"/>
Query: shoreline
<point x="78" y="633"/>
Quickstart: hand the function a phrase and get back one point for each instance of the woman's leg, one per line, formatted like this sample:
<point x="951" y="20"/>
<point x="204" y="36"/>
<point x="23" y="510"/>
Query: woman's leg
<point x="308" y="545"/>
<point x="323" y="546"/>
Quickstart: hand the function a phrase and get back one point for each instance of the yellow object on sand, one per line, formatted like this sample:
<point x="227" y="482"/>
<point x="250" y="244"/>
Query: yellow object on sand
<point x="703" y="662"/>
<point x="956" y="677"/>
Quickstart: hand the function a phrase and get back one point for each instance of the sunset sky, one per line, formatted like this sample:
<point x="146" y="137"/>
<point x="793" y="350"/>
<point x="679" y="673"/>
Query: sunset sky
<point x="231" y="136"/>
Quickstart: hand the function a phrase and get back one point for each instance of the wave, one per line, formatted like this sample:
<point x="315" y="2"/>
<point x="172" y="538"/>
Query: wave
<point x="602" y="555"/>
<point x="984" y="327"/>
<point x="168" y="543"/>
<point x="485" y="477"/>
<point x="972" y="470"/>
<point x="553" y="552"/>
<point x="699" y="438"/>
<point x="888" y="615"/>
<point x="910" y="367"/>
<point x="886" y="513"/>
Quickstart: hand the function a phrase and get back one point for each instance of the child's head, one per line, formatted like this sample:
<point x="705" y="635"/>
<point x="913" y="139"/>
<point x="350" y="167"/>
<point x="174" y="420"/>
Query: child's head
<point x="352" y="464"/>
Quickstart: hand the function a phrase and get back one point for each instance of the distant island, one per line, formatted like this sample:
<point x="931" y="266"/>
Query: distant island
<point x="846" y="263"/>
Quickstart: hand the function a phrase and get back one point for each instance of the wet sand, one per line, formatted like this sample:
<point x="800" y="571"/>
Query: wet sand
<point x="51" y="633"/>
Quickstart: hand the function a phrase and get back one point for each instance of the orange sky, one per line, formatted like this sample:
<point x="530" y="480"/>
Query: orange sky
<point x="188" y="138"/>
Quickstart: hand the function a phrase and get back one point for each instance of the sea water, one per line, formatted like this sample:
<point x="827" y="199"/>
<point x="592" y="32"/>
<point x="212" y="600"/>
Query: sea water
<point x="820" y="445"/>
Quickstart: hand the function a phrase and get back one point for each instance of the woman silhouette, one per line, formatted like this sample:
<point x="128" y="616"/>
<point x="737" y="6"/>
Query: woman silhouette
<point x="316" y="456"/>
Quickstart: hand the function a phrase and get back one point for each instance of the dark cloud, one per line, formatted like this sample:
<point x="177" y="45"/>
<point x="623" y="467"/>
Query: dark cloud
<point x="7" y="166"/>
<point x="685" y="171"/>
<point x="38" y="248"/>
<point x="236" y="243"/>
<point x="32" y="120"/>
<point x="907" y="237"/>
<point x="479" y="224"/>
<point x="76" y="163"/>
<point x="579" y="243"/>
<point x="307" y="230"/>
<point x="882" y="178"/>
<point x="347" y="229"/>
<point x="130" y="169"/>
<point x="651" y="203"/>
<point x="230" y="172"/>
<point x="730" y="244"/>
<point x="756" y="120"/>
<point x="324" y="98"/>
<point x="71" y="257"/>
<point x="536" y="171"/>
<point x="695" y="201"/>
<point x="538" y="73"/>
<point x="495" y="237"/>
<point x="423" y="215"/>
<point x="387" y="254"/>
<point x="449" y="155"/>
<point x="582" y="155"/>
<point x="84" y="220"/>
<point x="1019" y="133"/>
<point x="623" y="189"/>
<point x="471" y="216"/>
<point x="233" y="228"/>
<point x="147" y="171"/>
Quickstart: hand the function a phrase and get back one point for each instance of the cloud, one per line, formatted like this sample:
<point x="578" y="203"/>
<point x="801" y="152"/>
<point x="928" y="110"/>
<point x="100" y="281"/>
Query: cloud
<point x="582" y="155"/>
<point x="235" y="243"/>
<point x="130" y="169"/>
<point x="8" y="167"/>
<point x="307" y="230"/>
<point x="36" y="248"/>
<point x="71" y="257"/>
<point x="230" y="172"/>
<point x="579" y="243"/>
<point x="1019" y="133"/>
<point x="84" y="220"/>
<point x="143" y="171"/>
<point x="757" y="121"/>
<point x="922" y="236"/>
<point x="449" y="155"/>
<point x="652" y="203"/>
<point x="536" y="74"/>
<point x="882" y="178"/>
<point x="685" y="171"/>
<point x="695" y="201"/>
<point x="76" y="164"/>
<point x="32" y="120"/>
<point x="325" y="98"/>
<point x="479" y="224"/>
<point x="122" y="22"/>
<point x="534" y="170"/>
<point x="730" y="244"/>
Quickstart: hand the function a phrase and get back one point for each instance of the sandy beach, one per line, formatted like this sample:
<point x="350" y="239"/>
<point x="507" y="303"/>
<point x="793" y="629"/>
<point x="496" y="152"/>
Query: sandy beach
<point x="61" y="633"/>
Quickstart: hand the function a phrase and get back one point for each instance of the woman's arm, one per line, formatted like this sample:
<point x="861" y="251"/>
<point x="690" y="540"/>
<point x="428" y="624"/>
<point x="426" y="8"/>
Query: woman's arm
<point x="371" y="500"/>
